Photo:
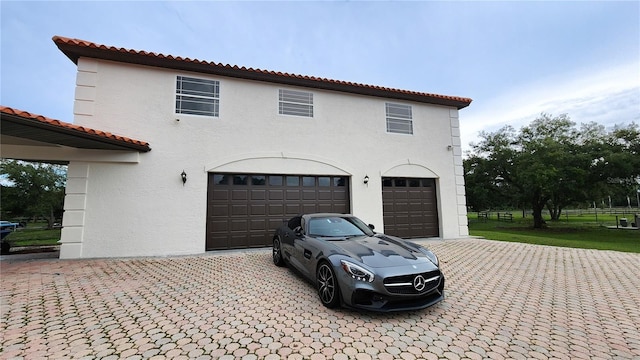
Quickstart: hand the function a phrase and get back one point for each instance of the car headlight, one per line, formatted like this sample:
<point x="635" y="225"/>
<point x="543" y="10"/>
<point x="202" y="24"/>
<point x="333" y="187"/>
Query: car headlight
<point x="357" y="272"/>
<point x="431" y="256"/>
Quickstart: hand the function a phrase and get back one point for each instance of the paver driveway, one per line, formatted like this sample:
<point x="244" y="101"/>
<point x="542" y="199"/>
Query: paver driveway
<point x="504" y="300"/>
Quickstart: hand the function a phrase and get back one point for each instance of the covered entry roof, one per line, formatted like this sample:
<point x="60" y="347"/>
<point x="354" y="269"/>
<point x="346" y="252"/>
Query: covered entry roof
<point x="22" y="126"/>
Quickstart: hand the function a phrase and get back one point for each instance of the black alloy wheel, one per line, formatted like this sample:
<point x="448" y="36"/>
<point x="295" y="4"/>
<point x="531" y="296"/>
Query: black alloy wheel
<point x="327" y="286"/>
<point x="278" y="260"/>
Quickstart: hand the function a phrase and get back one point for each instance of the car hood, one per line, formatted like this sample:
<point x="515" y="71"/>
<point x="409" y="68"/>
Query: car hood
<point x="381" y="251"/>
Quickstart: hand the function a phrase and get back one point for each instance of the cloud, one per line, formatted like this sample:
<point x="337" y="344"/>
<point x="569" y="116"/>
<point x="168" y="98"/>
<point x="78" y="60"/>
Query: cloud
<point x="609" y="96"/>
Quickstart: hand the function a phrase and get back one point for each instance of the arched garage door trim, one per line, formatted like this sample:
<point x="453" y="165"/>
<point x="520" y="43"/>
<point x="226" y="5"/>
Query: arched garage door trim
<point x="409" y="169"/>
<point x="279" y="163"/>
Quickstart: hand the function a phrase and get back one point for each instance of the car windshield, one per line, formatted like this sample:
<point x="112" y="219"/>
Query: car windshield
<point x="335" y="226"/>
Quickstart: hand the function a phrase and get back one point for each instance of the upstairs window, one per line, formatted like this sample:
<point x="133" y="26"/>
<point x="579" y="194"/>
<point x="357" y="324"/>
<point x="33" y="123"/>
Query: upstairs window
<point x="399" y="118"/>
<point x="297" y="103"/>
<point x="197" y="96"/>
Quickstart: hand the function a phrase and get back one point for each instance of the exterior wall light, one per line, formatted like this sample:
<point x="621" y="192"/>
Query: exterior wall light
<point x="184" y="177"/>
<point x="366" y="179"/>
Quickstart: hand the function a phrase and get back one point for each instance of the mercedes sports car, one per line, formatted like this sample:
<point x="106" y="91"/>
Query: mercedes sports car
<point x="354" y="266"/>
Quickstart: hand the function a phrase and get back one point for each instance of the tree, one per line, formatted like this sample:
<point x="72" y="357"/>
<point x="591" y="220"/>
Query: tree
<point x="484" y="191"/>
<point x="551" y="164"/>
<point x="33" y="189"/>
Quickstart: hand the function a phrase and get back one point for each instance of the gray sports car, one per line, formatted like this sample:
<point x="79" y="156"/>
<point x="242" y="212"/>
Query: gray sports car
<point x="351" y="265"/>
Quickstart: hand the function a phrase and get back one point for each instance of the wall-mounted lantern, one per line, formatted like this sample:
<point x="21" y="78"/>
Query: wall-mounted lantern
<point x="184" y="177"/>
<point x="366" y="179"/>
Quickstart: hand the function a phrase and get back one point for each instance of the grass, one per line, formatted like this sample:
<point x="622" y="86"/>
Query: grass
<point x="33" y="235"/>
<point x="575" y="231"/>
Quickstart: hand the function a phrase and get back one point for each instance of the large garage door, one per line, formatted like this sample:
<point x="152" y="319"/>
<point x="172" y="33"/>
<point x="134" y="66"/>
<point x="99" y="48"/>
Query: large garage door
<point x="409" y="207"/>
<point x="244" y="210"/>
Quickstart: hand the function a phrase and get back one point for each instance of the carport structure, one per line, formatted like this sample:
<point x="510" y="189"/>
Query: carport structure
<point x="27" y="136"/>
<point x="32" y="137"/>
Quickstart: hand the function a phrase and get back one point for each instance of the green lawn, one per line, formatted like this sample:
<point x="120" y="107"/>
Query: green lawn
<point x="33" y="236"/>
<point x="576" y="231"/>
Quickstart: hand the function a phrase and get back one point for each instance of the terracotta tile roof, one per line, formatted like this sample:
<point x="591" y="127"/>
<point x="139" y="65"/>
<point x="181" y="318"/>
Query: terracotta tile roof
<point x="75" y="48"/>
<point x="21" y="123"/>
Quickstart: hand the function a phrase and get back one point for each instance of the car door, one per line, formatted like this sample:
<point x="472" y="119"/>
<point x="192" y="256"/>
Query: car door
<point x="287" y="234"/>
<point x="301" y="255"/>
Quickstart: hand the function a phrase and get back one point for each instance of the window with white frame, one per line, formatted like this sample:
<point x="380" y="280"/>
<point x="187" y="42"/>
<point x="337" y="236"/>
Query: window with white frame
<point x="197" y="96"/>
<point x="297" y="103"/>
<point x="399" y="118"/>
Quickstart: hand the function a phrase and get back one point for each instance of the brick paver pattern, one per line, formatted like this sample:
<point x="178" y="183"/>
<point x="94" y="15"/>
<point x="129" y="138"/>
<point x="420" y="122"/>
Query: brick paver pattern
<point x="504" y="300"/>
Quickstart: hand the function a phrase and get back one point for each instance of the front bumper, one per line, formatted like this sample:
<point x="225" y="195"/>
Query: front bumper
<point x="377" y="297"/>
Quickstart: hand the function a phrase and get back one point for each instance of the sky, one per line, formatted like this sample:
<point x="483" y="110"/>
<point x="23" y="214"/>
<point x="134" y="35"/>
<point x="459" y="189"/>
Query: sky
<point x="516" y="60"/>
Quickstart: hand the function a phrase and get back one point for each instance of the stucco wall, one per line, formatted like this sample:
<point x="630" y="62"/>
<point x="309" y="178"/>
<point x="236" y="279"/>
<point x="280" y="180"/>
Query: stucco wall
<point x="133" y="209"/>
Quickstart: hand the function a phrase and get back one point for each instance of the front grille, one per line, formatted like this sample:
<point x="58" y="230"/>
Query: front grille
<point x="404" y="284"/>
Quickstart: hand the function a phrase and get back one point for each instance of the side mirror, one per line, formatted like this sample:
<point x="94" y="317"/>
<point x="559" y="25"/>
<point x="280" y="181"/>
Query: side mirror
<point x="298" y="231"/>
<point x="372" y="227"/>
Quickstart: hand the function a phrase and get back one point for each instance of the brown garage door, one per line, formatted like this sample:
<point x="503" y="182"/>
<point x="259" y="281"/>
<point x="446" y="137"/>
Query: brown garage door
<point x="243" y="210"/>
<point x="409" y="207"/>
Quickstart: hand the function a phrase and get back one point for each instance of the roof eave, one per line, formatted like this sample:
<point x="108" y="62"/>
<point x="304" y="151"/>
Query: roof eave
<point x="76" y="51"/>
<point x="67" y="131"/>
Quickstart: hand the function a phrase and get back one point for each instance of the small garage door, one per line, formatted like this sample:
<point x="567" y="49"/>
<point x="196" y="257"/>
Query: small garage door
<point x="409" y="207"/>
<point x="244" y="209"/>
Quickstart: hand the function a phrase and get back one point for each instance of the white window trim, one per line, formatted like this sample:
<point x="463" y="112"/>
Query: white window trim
<point x="398" y="118"/>
<point x="213" y="98"/>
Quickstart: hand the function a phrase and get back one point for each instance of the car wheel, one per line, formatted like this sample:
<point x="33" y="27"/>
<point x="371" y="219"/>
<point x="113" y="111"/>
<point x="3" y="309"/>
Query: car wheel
<point x="277" y="252"/>
<point x="327" y="286"/>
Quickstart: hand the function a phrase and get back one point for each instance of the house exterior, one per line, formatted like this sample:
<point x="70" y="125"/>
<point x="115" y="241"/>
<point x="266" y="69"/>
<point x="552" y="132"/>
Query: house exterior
<point x="231" y="152"/>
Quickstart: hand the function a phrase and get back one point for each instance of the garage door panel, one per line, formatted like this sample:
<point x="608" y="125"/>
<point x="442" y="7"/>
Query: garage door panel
<point x="325" y="208"/>
<point x="293" y="195"/>
<point x="275" y="223"/>
<point x="276" y="210"/>
<point x="259" y="224"/>
<point x="244" y="210"/>
<point x="239" y="225"/>
<point x="402" y="220"/>
<point x="219" y="210"/>
<point x="220" y="226"/>
<point x="310" y="208"/>
<point x="276" y="194"/>
<point x="238" y="241"/>
<point x="258" y="194"/>
<point x="239" y="194"/>
<point x="416" y="207"/>
<point x="325" y="195"/>
<point x="293" y="209"/>
<point x="258" y="210"/>
<point x="221" y="194"/>
<point x="401" y="195"/>
<point x="340" y="195"/>
<point x="342" y="208"/>
<point x="309" y="195"/>
<point x="239" y="210"/>
<point x="256" y="240"/>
